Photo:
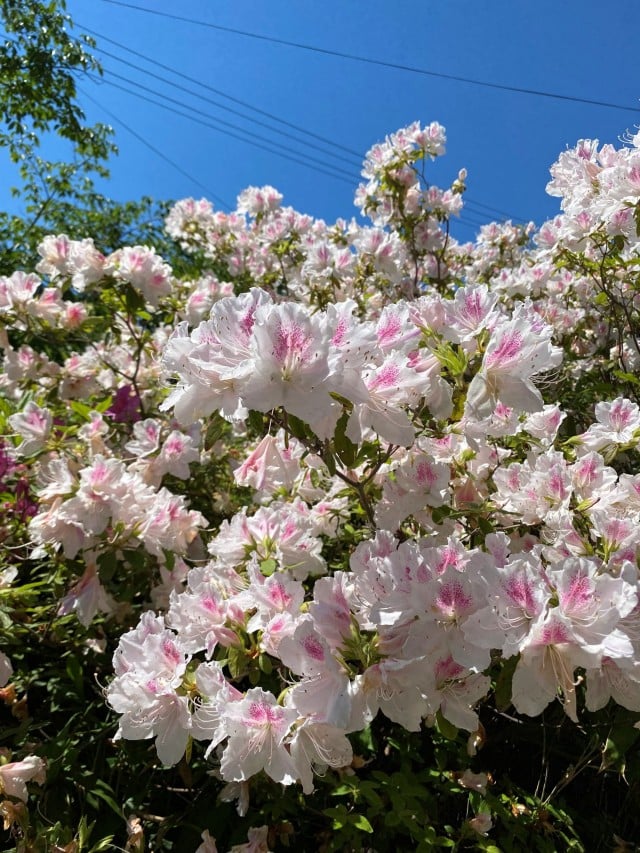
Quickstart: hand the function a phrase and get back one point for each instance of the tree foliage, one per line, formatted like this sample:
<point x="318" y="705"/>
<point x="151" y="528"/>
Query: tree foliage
<point x="42" y="61"/>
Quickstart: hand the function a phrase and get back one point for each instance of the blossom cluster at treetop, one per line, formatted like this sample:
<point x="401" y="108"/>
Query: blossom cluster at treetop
<point x="329" y="487"/>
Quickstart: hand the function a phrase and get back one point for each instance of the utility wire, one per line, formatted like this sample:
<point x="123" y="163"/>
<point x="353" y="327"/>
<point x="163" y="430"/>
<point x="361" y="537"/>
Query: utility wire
<point x="468" y="209"/>
<point x="470" y="222"/>
<point x="157" y="151"/>
<point x="462" y="222"/>
<point x="336" y="171"/>
<point x="384" y="64"/>
<point x="469" y="202"/>
<point x="467" y="222"/>
<point x="465" y="219"/>
<point x="212" y="126"/>
<point x="222" y="94"/>
<point x="323" y="150"/>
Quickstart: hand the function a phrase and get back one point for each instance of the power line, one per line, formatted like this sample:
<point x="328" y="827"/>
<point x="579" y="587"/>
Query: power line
<point x="157" y="151"/>
<point x="326" y="168"/>
<point x="468" y="222"/>
<point x="469" y="208"/>
<point x="382" y="63"/>
<point x="212" y="126"/>
<point x="463" y="223"/>
<point x="469" y="203"/>
<point x="478" y="204"/>
<point x="466" y="211"/>
<point x="162" y="79"/>
<point x="336" y="169"/>
<point x="222" y="94"/>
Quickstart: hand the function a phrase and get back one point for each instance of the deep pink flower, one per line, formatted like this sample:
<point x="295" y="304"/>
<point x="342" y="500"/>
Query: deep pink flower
<point x="126" y="406"/>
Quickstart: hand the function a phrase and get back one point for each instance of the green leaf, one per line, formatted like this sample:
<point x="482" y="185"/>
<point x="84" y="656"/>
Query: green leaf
<point x="630" y="378"/>
<point x="265" y="663"/>
<point x="486" y="527"/>
<point x="134" y="301"/>
<point x="503" y="683"/>
<point x="364" y="739"/>
<point x="360" y="822"/>
<point x="84" y="831"/>
<point x="346" y="450"/>
<point x="106" y="794"/>
<point x="438" y="514"/>
<point x="80" y="409"/>
<point x="618" y="242"/>
<point x="256" y="422"/>
<point x="107" y="563"/>
<point x="237" y="662"/>
<point x="339" y="816"/>
<point x="452" y="357"/>
<point x="104" y="844"/>
<point x="621" y="739"/>
<point x="330" y="461"/>
<point x="103" y="405"/>
<point x="217" y="425"/>
<point x="75" y="673"/>
<point x="446" y="729"/>
<point x="268" y="567"/>
<point x="297" y="428"/>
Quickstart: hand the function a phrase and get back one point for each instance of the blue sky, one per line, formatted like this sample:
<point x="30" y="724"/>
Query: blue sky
<point x="506" y="140"/>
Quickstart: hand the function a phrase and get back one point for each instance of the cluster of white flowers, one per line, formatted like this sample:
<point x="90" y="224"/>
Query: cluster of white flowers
<point x="395" y="378"/>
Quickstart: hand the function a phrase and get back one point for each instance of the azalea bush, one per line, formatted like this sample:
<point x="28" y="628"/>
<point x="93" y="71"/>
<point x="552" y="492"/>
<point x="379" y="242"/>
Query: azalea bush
<point x="326" y="537"/>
